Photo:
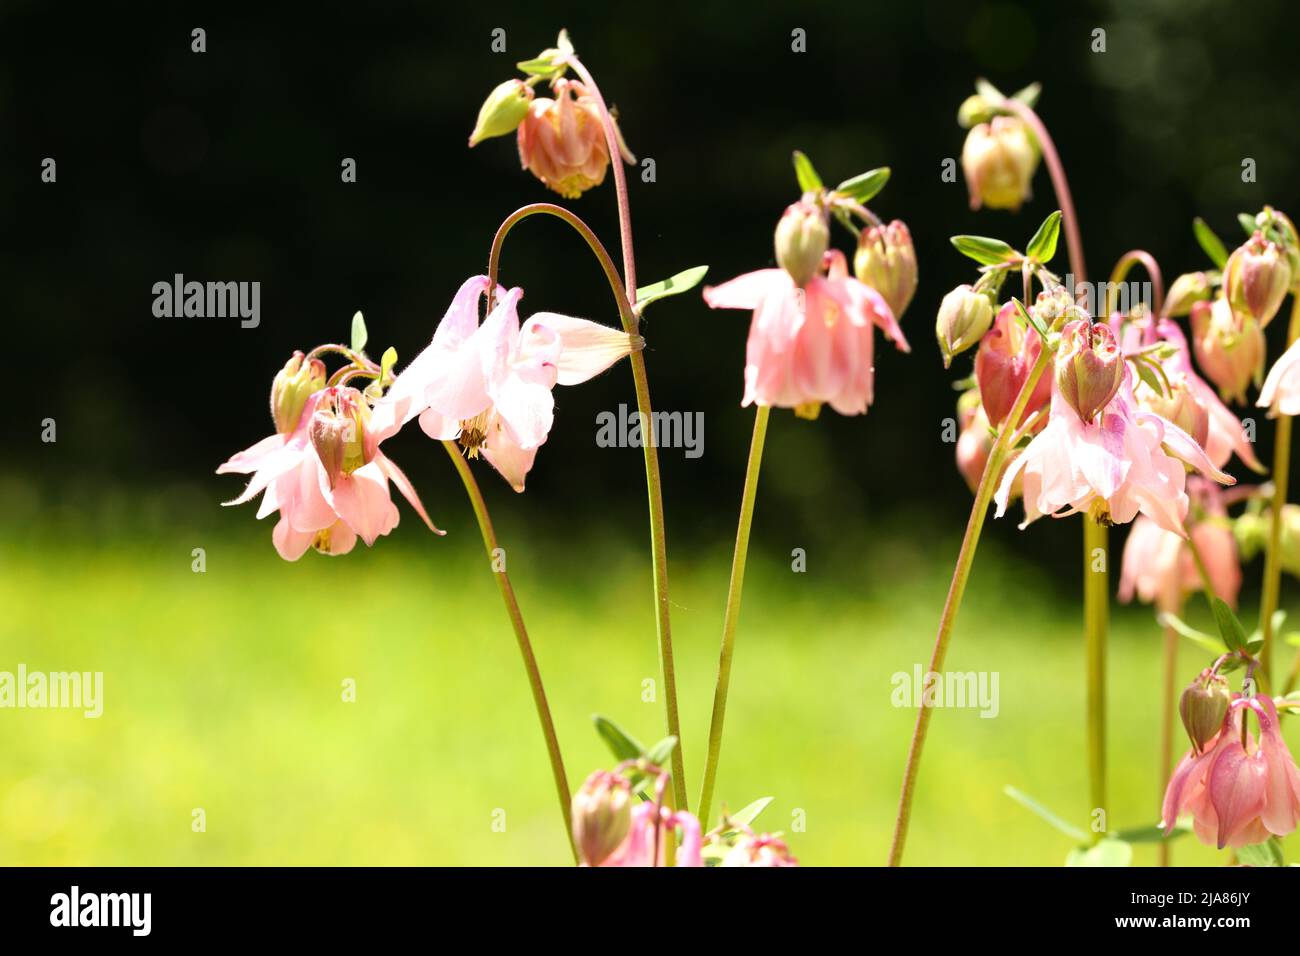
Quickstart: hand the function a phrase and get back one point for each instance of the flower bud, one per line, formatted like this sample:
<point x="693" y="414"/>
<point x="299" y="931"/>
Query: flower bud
<point x="337" y="433"/>
<point x="1055" y="307"/>
<point x="503" y="111"/>
<point x="1089" y="367"/>
<point x="802" y="237"/>
<point x="1229" y="348"/>
<point x="1006" y="356"/>
<point x="1203" y="706"/>
<point x="975" y="443"/>
<point x="293" y="385"/>
<point x="1179" y="405"/>
<point x="1188" y="289"/>
<point x="602" y="815"/>
<point x="886" y="261"/>
<point x="964" y="316"/>
<point x="1256" y="278"/>
<point x="998" y="160"/>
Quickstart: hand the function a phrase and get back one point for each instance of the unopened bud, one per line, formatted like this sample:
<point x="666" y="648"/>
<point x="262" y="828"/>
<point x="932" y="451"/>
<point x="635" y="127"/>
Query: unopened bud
<point x="602" y="815"/>
<point x="886" y="261"/>
<point x="1006" y="356"/>
<point x="1089" y="367"/>
<point x="1203" y="706"/>
<point x="802" y="237"/>
<point x="503" y="111"/>
<point x="336" y="432"/>
<point x="998" y="160"/>
<point x="300" y="378"/>
<point x="1256" y="279"/>
<point x="1229" y="348"/>
<point x="964" y="316"/>
<point x="1188" y="289"/>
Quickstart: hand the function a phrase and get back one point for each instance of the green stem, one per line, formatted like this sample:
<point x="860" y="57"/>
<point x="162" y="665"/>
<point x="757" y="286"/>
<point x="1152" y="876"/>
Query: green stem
<point x="1096" y="614"/>
<point x="1167" y="726"/>
<point x="654" y="490"/>
<point x="956" y="590"/>
<point x="1273" y="558"/>
<point x="732" y="614"/>
<point x="521" y="636"/>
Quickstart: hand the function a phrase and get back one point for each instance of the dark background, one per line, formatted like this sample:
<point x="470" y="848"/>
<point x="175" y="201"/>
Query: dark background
<point x="225" y="166"/>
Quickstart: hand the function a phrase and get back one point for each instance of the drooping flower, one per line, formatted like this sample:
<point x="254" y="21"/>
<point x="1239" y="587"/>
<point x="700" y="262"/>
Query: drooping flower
<point x="759" y="850"/>
<point x="886" y="260"/>
<point x="328" y="479"/>
<point x="1128" y="461"/>
<point x="1089" y="367"/>
<point x="562" y="140"/>
<point x="1188" y="289"/>
<point x="809" y="344"/>
<point x="1230" y="348"/>
<point x="1006" y="356"/>
<point x="1158" y="567"/>
<point x="998" y="160"/>
<point x="647" y="838"/>
<point x="1237" y="795"/>
<point x="1256" y="278"/>
<point x="490" y="385"/>
<point x="1202" y="706"/>
<point x="1281" y="391"/>
<point x="602" y="816"/>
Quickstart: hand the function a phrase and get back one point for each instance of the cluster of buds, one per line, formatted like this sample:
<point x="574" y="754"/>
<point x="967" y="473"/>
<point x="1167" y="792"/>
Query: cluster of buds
<point x="562" y="138"/>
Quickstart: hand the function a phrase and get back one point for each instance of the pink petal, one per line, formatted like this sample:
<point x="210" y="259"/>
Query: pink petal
<point x="749" y="290"/>
<point x="398" y="477"/>
<point x="362" y="500"/>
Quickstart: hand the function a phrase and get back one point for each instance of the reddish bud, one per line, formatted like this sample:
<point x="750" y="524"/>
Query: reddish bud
<point x="1089" y="367"/>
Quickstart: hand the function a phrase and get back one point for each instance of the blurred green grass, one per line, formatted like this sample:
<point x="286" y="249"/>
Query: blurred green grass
<point x="223" y="692"/>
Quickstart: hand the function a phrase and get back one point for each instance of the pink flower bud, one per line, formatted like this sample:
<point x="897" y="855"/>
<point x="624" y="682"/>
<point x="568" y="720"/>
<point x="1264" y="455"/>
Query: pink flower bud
<point x="562" y="140"/>
<point x="964" y="316"/>
<point x="1089" y="367"/>
<point x="1256" y="278"/>
<point x="293" y="385"/>
<point x="502" y="111"/>
<point x="802" y="237"/>
<point x="1229" y="347"/>
<point x="1179" y="405"/>
<point x="975" y="443"/>
<point x="1203" y="706"/>
<point x="886" y="261"/>
<point x="602" y="816"/>
<point x="337" y="433"/>
<point x="1006" y="355"/>
<point x="1188" y="289"/>
<point x="999" y="159"/>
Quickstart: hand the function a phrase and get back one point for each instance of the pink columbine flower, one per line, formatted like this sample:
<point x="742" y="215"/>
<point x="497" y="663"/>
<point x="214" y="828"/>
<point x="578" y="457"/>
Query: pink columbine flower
<point x="812" y="344"/>
<point x="328" y="478"/>
<point x="651" y="829"/>
<point x="1128" y="461"/>
<point x="759" y="850"/>
<point x="490" y="385"/>
<point x="1281" y="391"/>
<point x="1158" y="567"/>
<point x="562" y="140"/>
<point x="1237" y="795"/>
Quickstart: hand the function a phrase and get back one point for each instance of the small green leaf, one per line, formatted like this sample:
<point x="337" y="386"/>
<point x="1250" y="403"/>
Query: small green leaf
<point x="359" y="334"/>
<point x="1211" y="243"/>
<point x="985" y="251"/>
<point x="865" y="186"/>
<point x="541" y="66"/>
<point x="1043" y="246"/>
<point x="1034" y="322"/>
<point x="1247" y="223"/>
<point x="1262" y="854"/>
<point x="809" y="181"/>
<point x="386" y="364"/>
<point x="621" y="744"/>
<point x="1230" y="629"/>
<point x="747" y="815"/>
<point x="1152" y="834"/>
<point x="1032" y="805"/>
<point x="684" y="281"/>
<point x="660" y="752"/>
<point x="1029" y="94"/>
<point x="1108" y="852"/>
<point x="987" y="90"/>
<point x="1199" y="638"/>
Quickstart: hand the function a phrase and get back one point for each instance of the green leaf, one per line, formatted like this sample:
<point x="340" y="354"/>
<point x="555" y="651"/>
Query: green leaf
<point x="621" y="744"/>
<point x="1262" y="854"/>
<point x="1200" y="638"/>
<point x="386" y="363"/>
<point x="684" y="281"/>
<point x="660" y="752"/>
<point x="1032" y="805"/>
<point x="865" y="186"/>
<point x="1043" y="246"/>
<point x="747" y="815"/>
<point x="1230" y="629"/>
<point x="1211" y="243"/>
<point x="1108" y="852"/>
<point x="1035" y="323"/>
<point x="359" y="334"/>
<point x="985" y="251"/>
<point x="1151" y="834"/>
<point x="809" y="181"/>
<point x="541" y="66"/>
<point x="990" y="92"/>
<point x="1147" y="372"/>
<point x="1247" y="223"/>
<point x="1029" y="94"/>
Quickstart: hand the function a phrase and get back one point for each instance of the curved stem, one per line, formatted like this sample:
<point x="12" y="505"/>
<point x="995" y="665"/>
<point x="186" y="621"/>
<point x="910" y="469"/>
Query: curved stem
<point x="1168" y="699"/>
<point x="732" y="614"/>
<point x="1126" y="262"/>
<point x="521" y="636"/>
<point x="654" y="490"/>
<point x="1273" y="558"/>
<point x="1096" y="598"/>
<point x="956" y="590"/>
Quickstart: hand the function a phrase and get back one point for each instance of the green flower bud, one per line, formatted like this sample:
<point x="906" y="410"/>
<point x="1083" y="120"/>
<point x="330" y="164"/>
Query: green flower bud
<point x="503" y="111"/>
<point x="294" y="384"/>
